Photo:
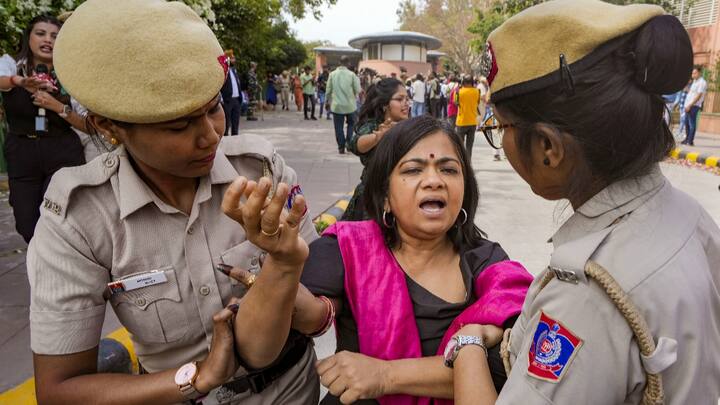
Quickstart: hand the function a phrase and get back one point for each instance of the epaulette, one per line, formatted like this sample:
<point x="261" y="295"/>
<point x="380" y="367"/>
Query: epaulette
<point x="69" y="179"/>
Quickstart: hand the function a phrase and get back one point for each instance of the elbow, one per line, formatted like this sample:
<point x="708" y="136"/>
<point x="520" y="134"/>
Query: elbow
<point x="256" y="361"/>
<point x="256" y="354"/>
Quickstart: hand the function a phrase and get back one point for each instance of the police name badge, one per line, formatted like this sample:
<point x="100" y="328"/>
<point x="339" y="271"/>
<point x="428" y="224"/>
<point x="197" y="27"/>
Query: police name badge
<point x="552" y="349"/>
<point x="137" y="281"/>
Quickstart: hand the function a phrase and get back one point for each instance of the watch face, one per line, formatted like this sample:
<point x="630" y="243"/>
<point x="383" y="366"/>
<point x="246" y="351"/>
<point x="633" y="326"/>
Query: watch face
<point x="185" y="374"/>
<point x="449" y="349"/>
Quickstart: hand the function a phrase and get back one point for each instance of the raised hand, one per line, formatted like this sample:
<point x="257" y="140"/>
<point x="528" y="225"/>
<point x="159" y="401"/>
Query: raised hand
<point x="32" y="84"/>
<point x="263" y="220"/>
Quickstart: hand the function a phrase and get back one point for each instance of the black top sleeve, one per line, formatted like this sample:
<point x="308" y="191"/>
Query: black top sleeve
<point x="324" y="272"/>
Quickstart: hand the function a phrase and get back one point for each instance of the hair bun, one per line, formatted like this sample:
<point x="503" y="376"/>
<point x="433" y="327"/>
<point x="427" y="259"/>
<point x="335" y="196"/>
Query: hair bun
<point x="663" y="55"/>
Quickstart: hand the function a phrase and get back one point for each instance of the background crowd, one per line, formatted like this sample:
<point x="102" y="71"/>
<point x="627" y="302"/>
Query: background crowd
<point x="214" y="238"/>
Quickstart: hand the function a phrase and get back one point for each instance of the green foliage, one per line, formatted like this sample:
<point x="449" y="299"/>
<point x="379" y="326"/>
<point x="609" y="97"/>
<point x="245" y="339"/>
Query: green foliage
<point x="15" y="14"/>
<point x="254" y="29"/>
<point x="492" y="17"/>
<point x="447" y="20"/>
<point x="309" y="46"/>
<point x="320" y="226"/>
<point x="483" y="25"/>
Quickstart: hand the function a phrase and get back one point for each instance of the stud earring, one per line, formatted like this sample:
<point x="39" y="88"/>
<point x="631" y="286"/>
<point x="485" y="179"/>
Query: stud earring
<point x="114" y="141"/>
<point x="546" y="162"/>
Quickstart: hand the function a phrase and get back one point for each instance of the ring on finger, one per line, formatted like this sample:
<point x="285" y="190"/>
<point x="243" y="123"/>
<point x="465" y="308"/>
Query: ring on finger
<point x="249" y="281"/>
<point x="270" y="234"/>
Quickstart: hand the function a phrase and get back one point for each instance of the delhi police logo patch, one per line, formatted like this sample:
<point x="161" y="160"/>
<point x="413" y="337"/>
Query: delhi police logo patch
<point x="553" y="348"/>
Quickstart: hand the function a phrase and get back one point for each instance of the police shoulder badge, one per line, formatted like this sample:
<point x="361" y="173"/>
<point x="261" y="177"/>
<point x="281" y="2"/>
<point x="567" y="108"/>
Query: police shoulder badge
<point x="553" y="348"/>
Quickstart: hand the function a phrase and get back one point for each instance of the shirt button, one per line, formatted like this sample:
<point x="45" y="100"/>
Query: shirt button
<point x="204" y="290"/>
<point x="141" y="302"/>
<point x="110" y="162"/>
<point x="254" y="261"/>
<point x="190" y="230"/>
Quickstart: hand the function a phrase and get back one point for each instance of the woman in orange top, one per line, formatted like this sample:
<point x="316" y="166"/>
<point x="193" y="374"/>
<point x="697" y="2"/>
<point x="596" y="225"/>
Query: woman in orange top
<point x="298" y="92"/>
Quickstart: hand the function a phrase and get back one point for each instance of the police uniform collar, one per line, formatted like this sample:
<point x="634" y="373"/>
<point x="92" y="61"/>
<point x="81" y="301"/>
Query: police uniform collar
<point x="623" y="196"/>
<point x="222" y="171"/>
<point x="133" y="192"/>
<point x="613" y="202"/>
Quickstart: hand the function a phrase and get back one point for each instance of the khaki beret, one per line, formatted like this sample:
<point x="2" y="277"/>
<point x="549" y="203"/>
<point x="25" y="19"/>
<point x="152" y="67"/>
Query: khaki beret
<point x="139" y="61"/>
<point x="523" y="54"/>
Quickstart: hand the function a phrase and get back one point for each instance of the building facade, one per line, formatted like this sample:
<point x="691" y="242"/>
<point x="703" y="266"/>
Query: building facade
<point x="701" y="21"/>
<point x="386" y="53"/>
<point x="392" y="52"/>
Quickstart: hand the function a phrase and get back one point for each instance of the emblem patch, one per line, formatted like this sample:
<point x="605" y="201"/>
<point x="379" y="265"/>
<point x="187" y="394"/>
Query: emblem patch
<point x="225" y="63"/>
<point x="552" y="349"/>
<point x="488" y="64"/>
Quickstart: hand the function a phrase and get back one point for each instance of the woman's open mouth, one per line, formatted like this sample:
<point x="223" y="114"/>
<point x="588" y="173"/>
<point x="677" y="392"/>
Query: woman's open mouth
<point x="432" y="206"/>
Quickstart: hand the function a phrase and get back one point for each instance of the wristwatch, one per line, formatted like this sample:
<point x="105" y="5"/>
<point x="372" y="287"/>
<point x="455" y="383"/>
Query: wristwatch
<point x="65" y="111"/>
<point x="185" y="378"/>
<point x="458" y="342"/>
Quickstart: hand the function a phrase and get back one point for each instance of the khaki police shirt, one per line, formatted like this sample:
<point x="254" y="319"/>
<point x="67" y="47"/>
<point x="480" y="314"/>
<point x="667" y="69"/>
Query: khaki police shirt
<point x="663" y="248"/>
<point x="101" y="223"/>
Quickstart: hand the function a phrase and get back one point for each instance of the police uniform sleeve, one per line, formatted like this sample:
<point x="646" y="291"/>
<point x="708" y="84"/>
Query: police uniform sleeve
<point x="67" y="307"/>
<point x="571" y="345"/>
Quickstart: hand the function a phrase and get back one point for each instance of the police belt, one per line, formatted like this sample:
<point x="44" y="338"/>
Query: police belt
<point x="257" y="381"/>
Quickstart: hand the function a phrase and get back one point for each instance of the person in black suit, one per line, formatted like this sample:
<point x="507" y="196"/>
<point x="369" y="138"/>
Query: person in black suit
<point x="232" y="97"/>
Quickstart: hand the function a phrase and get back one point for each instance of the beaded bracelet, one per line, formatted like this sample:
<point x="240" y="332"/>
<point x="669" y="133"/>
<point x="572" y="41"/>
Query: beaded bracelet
<point x="328" y="320"/>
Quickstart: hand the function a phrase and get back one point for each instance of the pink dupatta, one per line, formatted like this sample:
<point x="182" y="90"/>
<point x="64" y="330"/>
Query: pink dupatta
<point x="381" y="306"/>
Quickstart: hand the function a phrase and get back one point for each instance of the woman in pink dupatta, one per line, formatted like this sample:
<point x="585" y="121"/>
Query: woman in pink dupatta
<point x="401" y="284"/>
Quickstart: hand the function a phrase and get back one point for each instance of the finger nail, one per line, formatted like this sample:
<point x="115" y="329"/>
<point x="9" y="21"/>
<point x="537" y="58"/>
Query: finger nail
<point x="294" y="192"/>
<point x="223" y="268"/>
<point x="233" y="307"/>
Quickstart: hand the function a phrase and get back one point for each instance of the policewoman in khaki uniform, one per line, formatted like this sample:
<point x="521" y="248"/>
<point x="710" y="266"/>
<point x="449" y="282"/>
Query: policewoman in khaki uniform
<point x="628" y="310"/>
<point x="143" y="228"/>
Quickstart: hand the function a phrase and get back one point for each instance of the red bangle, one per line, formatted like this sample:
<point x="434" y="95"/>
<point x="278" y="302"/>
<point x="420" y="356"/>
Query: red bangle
<point x="328" y="319"/>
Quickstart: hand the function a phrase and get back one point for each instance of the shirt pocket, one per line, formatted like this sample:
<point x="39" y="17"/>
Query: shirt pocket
<point x="153" y="314"/>
<point x="246" y="256"/>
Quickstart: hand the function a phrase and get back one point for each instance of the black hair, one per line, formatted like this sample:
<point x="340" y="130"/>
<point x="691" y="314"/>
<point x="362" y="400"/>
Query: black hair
<point x="468" y="80"/>
<point x="25" y="53"/>
<point x="615" y="112"/>
<point x="377" y="99"/>
<point x="395" y="144"/>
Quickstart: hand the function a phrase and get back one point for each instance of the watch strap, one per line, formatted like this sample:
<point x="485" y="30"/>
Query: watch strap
<point x="465" y="340"/>
<point x="189" y="391"/>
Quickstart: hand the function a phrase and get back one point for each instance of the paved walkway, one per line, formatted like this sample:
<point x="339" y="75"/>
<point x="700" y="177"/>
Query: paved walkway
<point x="509" y="213"/>
<point x="706" y="144"/>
